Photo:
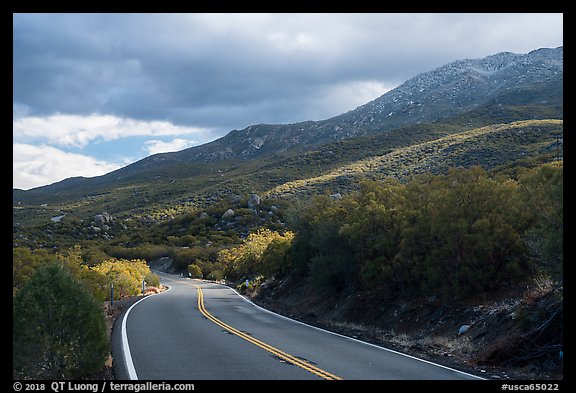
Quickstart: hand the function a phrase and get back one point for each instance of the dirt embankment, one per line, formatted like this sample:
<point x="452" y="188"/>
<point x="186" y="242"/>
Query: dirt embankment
<point x="509" y="336"/>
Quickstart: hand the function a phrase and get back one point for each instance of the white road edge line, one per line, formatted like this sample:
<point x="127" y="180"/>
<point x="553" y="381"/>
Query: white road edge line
<point x="354" y="339"/>
<point x="126" y="347"/>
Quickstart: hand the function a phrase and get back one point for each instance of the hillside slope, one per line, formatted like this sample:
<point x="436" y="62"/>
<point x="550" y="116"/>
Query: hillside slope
<point x="335" y="168"/>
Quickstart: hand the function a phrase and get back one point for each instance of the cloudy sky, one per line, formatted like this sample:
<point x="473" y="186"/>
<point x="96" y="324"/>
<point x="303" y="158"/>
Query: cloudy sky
<point x="95" y="92"/>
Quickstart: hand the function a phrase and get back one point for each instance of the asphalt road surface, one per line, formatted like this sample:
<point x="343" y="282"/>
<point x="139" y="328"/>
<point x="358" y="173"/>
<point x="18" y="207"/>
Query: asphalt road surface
<point x="204" y="331"/>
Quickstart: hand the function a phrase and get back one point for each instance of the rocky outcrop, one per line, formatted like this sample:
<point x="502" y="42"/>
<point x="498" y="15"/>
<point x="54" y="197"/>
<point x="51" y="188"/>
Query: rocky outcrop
<point x="228" y="214"/>
<point x="103" y="218"/>
<point x="254" y="201"/>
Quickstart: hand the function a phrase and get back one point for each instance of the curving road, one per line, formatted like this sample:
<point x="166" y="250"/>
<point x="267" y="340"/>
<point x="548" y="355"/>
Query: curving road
<point x="205" y="331"/>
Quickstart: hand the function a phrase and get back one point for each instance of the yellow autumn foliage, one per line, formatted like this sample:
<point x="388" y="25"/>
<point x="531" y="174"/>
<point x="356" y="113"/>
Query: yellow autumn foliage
<point x="246" y="258"/>
<point x="125" y="275"/>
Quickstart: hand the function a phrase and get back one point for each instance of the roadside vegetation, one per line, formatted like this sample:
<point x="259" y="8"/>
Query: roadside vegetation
<point x="417" y="220"/>
<point x="58" y="327"/>
<point x="446" y="236"/>
<point x="58" y="316"/>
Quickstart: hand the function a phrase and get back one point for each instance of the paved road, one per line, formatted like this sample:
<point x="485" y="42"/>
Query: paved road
<point x="199" y="330"/>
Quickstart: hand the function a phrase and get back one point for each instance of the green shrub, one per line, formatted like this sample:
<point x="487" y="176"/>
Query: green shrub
<point x="247" y="259"/>
<point x="145" y="251"/>
<point x="216" y="275"/>
<point x="152" y="279"/>
<point x="276" y="258"/>
<point x="194" y="271"/>
<point x="543" y="195"/>
<point x="450" y="235"/>
<point x="24" y="264"/>
<point x="59" y="330"/>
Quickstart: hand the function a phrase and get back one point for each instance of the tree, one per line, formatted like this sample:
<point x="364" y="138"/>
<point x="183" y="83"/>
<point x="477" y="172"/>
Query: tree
<point x="543" y="194"/>
<point x="320" y="244"/>
<point x="59" y="330"/>
<point x="373" y="227"/>
<point x="24" y="264"/>
<point x="466" y="239"/>
<point x="276" y="258"/>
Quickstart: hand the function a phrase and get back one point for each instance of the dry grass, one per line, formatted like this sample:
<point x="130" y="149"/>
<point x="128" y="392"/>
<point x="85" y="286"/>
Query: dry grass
<point x="152" y="290"/>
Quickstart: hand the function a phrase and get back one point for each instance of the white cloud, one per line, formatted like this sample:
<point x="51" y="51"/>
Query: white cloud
<point x="78" y="131"/>
<point x="157" y="146"/>
<point x="291" y="42"/>
<point x="361" y="92"/>
<point x="35" y="166"/>
<point x="347" y="96"/>
<point x="199" y="68"/>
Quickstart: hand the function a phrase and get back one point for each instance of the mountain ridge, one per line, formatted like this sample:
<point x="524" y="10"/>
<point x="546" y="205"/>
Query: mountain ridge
<point x="499" y="84"/>
<point x="355" y="122"/>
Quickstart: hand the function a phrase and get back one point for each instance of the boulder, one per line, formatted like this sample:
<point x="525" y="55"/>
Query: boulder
<point x="228" y="214"/>
<point x="57" y="218"/>
<point x="463" y="329"/>
<point x="235" y="199"/>
<point x="254" y="201"/>
<point x="103" y="218"/>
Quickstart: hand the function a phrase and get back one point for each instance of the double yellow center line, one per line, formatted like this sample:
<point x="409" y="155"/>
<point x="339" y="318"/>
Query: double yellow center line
<point x="282" y="355"/>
